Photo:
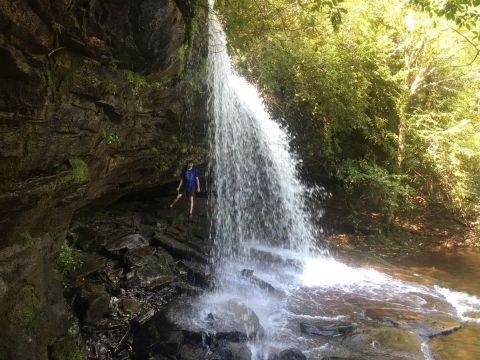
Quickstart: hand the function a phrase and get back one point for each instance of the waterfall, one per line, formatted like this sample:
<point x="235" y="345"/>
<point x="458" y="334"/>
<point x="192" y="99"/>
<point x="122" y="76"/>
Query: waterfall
<point x="257" y="196"/>
<point x="270" y="277"/>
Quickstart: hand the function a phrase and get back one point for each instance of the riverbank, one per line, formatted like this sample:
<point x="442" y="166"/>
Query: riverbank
<point x="421" y="230"/>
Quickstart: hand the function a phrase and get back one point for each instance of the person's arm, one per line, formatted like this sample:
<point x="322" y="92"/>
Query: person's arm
<point x="197" y="178"/>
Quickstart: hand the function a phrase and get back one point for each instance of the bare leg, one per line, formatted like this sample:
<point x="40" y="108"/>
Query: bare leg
<point x="179" y="196"/>
<point x="191" y="205"/>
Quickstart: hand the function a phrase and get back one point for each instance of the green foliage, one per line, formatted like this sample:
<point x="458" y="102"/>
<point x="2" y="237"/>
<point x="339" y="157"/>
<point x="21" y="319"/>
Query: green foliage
<point x="386" y="102"/>
<point x="111" y="138"/>
<point x="140" y="84"/>
<point x="375" y="187"/>
<point x="465" y="13"/>
<point x="67" y="262"/>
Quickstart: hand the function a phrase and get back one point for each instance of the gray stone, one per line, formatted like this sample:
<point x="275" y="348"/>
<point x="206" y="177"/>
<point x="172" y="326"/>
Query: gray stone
<point x="130" y="241"/>
<point x="289" y="354"/>
<point x="231" y="321"/>
<point x="151" y="267"/>
<point x="262" y="284"/>
<point x="93" y="303"/>
<point x="178" y="249"/>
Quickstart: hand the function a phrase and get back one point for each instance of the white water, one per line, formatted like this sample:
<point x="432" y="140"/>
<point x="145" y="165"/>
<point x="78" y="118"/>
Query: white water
<point x="260" y="223"/>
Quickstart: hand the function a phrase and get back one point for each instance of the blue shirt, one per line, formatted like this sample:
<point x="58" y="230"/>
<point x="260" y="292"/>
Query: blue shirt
<point x="189" y="177"/>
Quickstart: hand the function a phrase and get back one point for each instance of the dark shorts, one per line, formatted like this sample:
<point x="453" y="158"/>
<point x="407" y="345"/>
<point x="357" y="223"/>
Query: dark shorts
<point x="189" y="192"/>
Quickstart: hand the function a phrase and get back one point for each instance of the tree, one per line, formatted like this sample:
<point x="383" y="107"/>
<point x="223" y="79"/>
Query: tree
<point x="371" y="102"/>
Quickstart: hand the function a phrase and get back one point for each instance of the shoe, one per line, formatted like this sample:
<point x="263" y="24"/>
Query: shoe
<point x="190" y="217"/>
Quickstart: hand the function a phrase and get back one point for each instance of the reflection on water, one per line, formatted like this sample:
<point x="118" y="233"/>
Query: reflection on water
<point x="458" y="270"/>
<point x="461" y="345"/>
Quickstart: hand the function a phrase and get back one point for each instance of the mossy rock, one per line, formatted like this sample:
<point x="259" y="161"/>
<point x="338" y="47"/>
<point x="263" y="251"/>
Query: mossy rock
<point x="396" y="339"/>
<point x="67" y="348"/>
<point x="28" y="312"/>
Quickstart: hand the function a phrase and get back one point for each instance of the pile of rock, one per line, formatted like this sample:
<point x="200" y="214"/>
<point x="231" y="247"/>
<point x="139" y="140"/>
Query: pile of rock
<point x="129" y="267"/>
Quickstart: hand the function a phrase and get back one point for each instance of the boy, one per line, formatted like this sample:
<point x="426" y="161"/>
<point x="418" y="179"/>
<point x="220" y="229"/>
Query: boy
<point x="190" y="181"/>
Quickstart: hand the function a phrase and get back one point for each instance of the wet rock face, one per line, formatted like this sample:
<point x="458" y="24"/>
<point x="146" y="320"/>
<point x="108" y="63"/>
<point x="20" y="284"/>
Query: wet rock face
<point x="92" y="106"/>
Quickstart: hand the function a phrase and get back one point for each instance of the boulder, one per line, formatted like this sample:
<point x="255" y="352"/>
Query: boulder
<point x="124" y="242"/>
<point x="289" y="354"/>
<point x="191" y="352"/>
<point x="131" y="306"/>
<point x="150" y="267"/>
<point x="239" y="351"/>
<point x="230" y="320"/>
<point x="197" y="273"/>
<point x="92" y="303"/>
<point x="179" y="249"/>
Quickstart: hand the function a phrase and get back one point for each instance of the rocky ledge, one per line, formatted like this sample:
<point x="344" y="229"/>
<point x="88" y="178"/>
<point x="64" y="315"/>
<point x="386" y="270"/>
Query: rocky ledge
<point x="98" y="99"/>
<point x="121" y="267"/>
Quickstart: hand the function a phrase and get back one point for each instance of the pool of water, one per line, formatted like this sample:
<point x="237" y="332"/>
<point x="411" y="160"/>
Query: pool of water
<point x="397" y="305"/>
<point x="458" y="270"/>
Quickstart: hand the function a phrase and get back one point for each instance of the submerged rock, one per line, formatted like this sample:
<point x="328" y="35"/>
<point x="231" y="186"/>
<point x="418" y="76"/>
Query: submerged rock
<point x="380" y="341"/>
<point x="289" y="354"/>
<point x="262" y="284"/>
<point x="266" y="257"/>
<point x="330" y="330"/>
<point x="433" y="326"/>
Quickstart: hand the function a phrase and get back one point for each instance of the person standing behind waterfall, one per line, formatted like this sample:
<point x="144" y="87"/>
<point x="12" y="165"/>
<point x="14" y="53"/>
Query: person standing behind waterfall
<point x="190" y="181"/>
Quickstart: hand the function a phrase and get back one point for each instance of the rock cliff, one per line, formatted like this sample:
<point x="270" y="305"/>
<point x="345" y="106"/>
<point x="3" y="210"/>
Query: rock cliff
<point x="97" y="99"/>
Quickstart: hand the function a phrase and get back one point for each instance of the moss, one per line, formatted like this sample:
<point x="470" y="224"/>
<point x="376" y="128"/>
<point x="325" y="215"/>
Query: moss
<point x="28" y="312"/>
<point x="79" y="170"/>
<point x="59" y="73"/>
<point x="26" y="238"/>
<point x="66" y="349"/>
<point x="137" y="81"/>
<point x="75" y="354"/>
<point x="76" y="174"/>
<point x="140" y="84"/>
<point x="111" y="138"/>
<point x="9" y="170"/>
<point x="108" y="87"/>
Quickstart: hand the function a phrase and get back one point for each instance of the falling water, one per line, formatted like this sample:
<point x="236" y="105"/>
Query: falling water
<point x="262" y="229"/>
<point x="258" y="197"/>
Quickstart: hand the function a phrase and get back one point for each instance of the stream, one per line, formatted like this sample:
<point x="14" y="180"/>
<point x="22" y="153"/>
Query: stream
<point x="277" y="288"/>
